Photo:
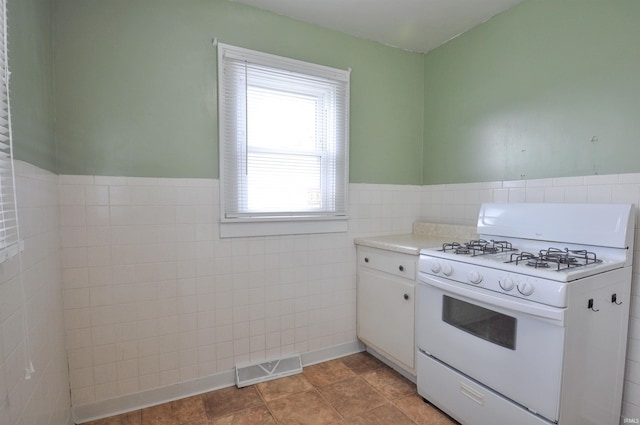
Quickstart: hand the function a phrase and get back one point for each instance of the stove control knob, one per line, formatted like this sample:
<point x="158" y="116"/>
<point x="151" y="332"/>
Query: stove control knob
<point x="435" y="267"/>
<point x="475" y="277"/>
<point x="525" y="288"/>
<point x="447" y="269"/>
<point x="507" y="283"/>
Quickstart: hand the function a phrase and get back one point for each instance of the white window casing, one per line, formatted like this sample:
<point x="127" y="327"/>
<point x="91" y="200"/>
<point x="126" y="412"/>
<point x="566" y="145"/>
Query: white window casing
<point x="284" y="138"/>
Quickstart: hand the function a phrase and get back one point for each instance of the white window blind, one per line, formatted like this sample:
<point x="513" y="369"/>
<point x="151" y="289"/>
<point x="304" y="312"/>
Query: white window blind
<point x="284" y="128"/>
<point x="9" y="241"/>
<point x="10" y="244"/>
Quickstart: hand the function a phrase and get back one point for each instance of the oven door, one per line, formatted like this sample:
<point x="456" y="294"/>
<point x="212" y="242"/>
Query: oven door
<point x="511" y="345"/>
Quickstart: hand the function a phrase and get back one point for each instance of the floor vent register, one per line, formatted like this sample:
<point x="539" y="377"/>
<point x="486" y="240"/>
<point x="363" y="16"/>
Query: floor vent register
<point x="266" y="371"/>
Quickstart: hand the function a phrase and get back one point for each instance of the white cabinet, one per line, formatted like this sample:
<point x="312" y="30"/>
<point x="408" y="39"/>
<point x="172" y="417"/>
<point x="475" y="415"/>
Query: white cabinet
<point x="385" y="304"/>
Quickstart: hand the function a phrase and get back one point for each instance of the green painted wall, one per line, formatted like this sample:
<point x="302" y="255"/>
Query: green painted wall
<point x="31" y="84"/>
<point x="135" y="87"/>
<point x="549" y="88"/>
<point x="546" y="89"/>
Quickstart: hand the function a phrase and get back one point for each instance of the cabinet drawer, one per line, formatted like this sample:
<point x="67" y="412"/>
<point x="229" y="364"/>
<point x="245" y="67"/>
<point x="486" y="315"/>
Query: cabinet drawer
<point x="389" y="262"/>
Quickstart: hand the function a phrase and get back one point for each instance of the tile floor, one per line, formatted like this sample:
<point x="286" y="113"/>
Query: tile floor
<point x="354" y="390"/>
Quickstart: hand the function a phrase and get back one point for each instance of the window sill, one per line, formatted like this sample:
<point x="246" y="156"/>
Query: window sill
<point x="245" y="228"/>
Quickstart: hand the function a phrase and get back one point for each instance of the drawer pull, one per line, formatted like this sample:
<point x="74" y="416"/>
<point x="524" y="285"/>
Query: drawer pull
<point x="366" y="259"/>
<point x="401" y="268"/>
<point x="474" y="395"/>
<point x="406" y="296"/>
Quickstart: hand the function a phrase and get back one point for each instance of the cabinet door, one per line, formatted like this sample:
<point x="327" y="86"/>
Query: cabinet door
<point x="386" y="315"/>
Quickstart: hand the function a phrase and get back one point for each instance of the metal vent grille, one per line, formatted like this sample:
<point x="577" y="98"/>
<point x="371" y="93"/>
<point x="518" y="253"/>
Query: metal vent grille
<point x="253" y="374"/>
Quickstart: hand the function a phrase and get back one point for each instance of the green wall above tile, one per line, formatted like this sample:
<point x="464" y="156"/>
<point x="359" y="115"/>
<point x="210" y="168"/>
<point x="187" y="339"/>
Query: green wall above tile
<point x="549" y="88"/>
<point x="136" y="87"/>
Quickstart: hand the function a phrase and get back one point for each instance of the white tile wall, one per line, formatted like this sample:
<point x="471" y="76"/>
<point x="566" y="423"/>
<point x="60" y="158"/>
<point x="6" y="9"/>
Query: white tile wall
<point x="154" y="297"/>
<point x="43" y="399"/>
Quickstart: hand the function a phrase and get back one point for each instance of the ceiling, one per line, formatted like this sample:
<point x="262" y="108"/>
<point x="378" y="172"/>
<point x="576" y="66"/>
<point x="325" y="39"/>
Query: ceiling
<point x="415" y="25"/>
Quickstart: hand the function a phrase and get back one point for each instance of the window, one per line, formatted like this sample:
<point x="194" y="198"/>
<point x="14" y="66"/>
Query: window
<point x="9" y="241"/>
<point x="284" y="128"/>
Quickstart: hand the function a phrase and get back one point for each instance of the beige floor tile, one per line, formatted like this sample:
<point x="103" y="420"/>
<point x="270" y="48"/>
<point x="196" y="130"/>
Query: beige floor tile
<point x="326" y="373"/>
<point x="282" y="387"/>
<point x="421" y="412"/>
<point x="252" y="416"/>
<point x="352" y="396"/>
<point x="390" y="383"/>
<point x="383" y="415"/>
<point x="306" y="408"/>
<point x="362" y="362"/>
<point x="227" y="400"/>
<point x="187" y="411"/>
<point x="132" y="418"/>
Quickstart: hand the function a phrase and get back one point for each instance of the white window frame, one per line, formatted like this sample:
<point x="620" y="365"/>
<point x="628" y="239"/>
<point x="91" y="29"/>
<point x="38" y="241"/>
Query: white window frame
<point x="244" y="223"/>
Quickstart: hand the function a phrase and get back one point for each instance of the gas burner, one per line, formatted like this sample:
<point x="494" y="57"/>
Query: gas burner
<point x="569" y="258"/>
<point x="456" y="248"/>
<point x="556" y="255"/>
<point x="523" y="256"/>
<point x="531" y="259"/>
<point x="538" y="263"/>
<point x="482" y="246"/>
<point x="563" y="258"/>
<point x="478" y="247"/>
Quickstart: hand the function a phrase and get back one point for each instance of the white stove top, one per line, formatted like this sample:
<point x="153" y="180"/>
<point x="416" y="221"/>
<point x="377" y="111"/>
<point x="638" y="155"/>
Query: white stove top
<point x="601" y="233"/>
<point x="572" y="262"/>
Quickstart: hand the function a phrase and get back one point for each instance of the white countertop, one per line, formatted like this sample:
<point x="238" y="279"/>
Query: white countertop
<point x="425" y="235"/>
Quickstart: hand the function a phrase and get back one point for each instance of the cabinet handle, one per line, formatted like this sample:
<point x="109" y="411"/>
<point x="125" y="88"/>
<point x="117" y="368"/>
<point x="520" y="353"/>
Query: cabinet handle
<point x="366" y="259"/>
<point x="406" y="296"/>
<point x="401" y="268"/>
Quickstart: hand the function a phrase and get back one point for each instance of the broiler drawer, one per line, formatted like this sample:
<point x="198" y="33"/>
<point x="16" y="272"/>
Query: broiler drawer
<point x="389" y="262"/>
<point x="465" y="400"/>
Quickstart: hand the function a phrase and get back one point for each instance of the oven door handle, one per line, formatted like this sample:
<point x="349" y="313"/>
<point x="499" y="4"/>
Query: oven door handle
<point x="501" y="301"/>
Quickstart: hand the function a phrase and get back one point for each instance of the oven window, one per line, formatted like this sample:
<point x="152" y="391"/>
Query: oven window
<point x="489" y="325"/>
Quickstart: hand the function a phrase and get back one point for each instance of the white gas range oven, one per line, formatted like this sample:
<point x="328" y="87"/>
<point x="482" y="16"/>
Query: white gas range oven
<point x="528" y="324"/>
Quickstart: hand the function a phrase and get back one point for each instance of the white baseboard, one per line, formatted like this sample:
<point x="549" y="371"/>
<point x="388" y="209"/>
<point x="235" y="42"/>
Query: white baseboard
<point x="331" y="353"/>
<point x="131" y="402"/>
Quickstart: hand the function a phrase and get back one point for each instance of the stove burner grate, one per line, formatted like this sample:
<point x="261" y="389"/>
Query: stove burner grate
<point x="456" y="247"/>
<point x="562" y="258"/>
<point x="478" y="247"/>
